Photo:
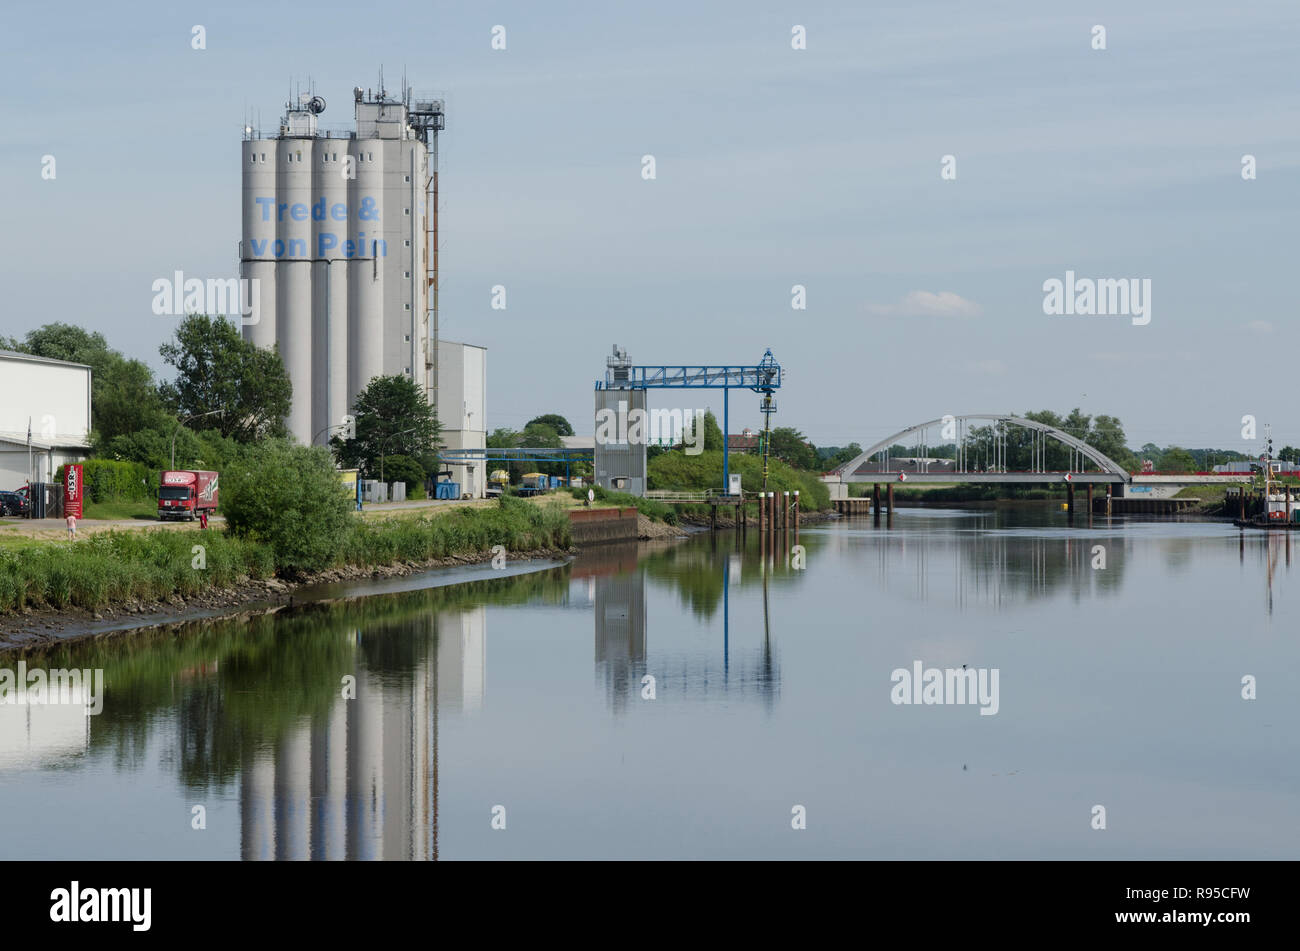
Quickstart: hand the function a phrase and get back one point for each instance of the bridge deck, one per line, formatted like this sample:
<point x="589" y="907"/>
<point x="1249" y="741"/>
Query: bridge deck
<point x="993" y="478"/>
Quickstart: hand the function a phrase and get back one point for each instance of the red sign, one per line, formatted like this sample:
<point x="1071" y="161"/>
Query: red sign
<point x="72" y="490"/>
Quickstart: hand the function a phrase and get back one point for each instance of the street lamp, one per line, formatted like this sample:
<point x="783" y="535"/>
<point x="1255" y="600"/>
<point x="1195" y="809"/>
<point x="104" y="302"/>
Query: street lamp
<point x="328" y="428"/>
<point x="182" y="426"/>
<point x="384" y="444"/>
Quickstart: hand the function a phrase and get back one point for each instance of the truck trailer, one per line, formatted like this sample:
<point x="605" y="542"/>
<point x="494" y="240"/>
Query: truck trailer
<point x="184" y="494"/>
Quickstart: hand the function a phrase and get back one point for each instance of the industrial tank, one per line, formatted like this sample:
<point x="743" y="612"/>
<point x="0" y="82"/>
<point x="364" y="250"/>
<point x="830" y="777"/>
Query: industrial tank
<point x="293" y="302"/>
<point x="330" y="282"/>
<point x="366" y="272"/>
<point x="257" y="250"/>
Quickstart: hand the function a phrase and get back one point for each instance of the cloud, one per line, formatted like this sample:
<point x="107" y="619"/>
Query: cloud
<point x="1260" y="326"/>
<point x="988" y="367"/>
<point x="928" y="304"/>
<point x="1126" y="357"/>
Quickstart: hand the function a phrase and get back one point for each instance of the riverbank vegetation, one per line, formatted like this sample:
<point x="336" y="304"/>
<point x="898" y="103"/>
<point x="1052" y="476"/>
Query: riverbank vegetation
<point x="676" y="470"/>
<point x="289" y="526"/>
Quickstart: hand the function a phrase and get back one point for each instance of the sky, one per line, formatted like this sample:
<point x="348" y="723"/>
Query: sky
<point x="774" y="167"/>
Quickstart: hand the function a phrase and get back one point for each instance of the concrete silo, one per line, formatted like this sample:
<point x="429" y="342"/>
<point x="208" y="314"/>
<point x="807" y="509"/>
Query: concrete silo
<point x="330" y="287"/>
<point x="257" y="250"/>
<point x="366" y="271"/>
<point x="293" y="284"/>
<point x="337" y="229"/>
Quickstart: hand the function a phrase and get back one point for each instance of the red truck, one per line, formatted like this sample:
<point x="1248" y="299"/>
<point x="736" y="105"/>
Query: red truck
<point x="185" y="494"/>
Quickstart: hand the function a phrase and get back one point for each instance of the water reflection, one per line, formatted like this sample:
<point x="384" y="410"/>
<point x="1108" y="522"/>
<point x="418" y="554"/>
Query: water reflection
<point x="326" y="729"/>
<point x="740" y="662"/>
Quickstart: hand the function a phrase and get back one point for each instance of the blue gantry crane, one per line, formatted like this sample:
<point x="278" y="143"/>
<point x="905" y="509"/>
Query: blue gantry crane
<point x="763" y="378"/>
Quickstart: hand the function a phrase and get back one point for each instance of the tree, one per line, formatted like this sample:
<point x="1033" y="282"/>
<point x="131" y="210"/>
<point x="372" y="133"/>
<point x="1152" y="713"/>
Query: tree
<point x="1288" y="454"/>
<point x="1176" y="459"/>
<point x="713" y="439"/>
<point x="406" y="470"/>
<point x="790" y="446"/>
<point x="555" y="421"/>
<point x="123" y="399"/>
<point x="291" y="498"/>
<point x="538" y="435"/>
<point x="393" y="418"/>
<point x="218" y="370"/>
<point x="1107" y="437"/>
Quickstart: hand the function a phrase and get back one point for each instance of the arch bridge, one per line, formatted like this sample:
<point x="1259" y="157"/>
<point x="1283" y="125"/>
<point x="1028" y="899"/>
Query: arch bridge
<point x="990" y="447"/>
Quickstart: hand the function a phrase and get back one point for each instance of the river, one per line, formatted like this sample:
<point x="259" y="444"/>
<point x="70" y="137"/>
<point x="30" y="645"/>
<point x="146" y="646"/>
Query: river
<point x="512" y="717"/>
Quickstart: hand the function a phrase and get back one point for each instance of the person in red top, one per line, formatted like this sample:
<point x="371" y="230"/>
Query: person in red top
<point x="72" y="526"/>
<point x="203" y="519"/>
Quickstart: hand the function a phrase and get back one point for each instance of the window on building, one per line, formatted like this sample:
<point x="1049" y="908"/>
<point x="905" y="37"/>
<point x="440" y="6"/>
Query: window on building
<point x="407" y="212"/>
<point x="406" y="274"/>
<point x="407" y="242"/>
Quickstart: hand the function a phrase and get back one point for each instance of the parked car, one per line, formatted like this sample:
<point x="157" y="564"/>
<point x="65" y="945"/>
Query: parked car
<point x="13" y="503"/>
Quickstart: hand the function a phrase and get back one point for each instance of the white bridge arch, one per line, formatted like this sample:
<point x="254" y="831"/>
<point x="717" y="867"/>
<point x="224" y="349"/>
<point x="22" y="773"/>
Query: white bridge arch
<point x="999" y="425"/>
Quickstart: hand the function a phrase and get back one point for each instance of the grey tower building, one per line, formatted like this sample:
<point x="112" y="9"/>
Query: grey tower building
<point x="339" y="233"/>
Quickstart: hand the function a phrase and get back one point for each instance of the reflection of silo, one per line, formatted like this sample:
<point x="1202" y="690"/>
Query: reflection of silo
<point x="293" y="277"/>
<point x="365" y="276"/>
<point x="257" y="252"/>
<point x="329" y="398"/>
<point x="293" y="795"/>
<point x="329" y="783"/>
<point x="365" y="767"/>
<point x="462" y="659"/>
<point x="37" y="734"/>
<point x="620" y="633"/>
<point x="257" y="807"/>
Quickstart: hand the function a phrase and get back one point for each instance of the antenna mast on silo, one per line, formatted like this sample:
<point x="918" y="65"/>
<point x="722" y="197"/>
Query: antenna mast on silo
<point x="427" y="116"/>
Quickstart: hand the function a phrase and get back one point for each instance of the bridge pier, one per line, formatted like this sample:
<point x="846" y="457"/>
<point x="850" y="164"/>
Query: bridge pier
<point x="1069" y="501"/>
<point x="875" y="502"/>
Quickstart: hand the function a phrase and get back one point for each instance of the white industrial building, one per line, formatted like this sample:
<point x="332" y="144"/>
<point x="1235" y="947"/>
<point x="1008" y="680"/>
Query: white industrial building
<point x="51" y="400"/>
<point x="462" y="372"/>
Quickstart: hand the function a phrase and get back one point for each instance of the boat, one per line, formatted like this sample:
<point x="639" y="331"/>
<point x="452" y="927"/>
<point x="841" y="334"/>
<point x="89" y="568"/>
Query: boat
<point x="1281" y="504"/>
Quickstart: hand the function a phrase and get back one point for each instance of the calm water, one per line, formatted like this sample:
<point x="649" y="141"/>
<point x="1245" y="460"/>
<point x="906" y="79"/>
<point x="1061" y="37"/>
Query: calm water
<point x="1118" y="686"/>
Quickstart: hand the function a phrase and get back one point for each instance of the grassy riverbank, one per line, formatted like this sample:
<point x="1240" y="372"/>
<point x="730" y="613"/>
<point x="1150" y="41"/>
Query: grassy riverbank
<point x="144" y="566"/>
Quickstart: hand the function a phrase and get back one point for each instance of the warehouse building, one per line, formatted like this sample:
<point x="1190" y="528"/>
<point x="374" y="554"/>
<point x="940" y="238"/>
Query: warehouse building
<point x="44" y="417"/>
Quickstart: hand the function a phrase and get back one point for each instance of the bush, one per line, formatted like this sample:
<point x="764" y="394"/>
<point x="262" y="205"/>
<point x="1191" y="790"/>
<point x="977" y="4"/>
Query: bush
<point x="676" y="470"/>
<point x="108" y="480"/>
<point x="407" y="470"/>
<point x="289" y="497"/>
